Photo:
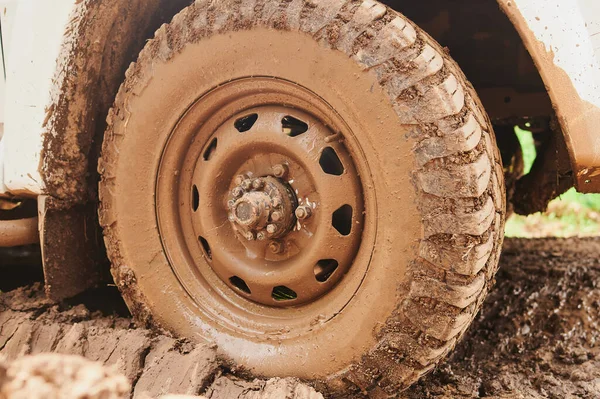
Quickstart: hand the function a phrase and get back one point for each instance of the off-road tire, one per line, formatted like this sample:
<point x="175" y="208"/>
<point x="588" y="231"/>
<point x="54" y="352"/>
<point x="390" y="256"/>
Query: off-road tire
<point x="457" y="173"/>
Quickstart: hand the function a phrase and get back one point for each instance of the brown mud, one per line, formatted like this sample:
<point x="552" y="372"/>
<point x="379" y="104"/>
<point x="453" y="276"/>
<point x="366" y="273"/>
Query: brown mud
<point x="535" y="337"/>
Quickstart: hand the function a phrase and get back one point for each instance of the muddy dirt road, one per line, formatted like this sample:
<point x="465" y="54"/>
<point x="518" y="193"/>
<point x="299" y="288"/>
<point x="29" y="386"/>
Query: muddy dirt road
<point x="535" y="338"/>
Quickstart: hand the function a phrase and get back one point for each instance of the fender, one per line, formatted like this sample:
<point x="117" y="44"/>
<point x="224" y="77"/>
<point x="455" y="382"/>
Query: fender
<point x="62" y="81"/>
<point x="563" y="38"/>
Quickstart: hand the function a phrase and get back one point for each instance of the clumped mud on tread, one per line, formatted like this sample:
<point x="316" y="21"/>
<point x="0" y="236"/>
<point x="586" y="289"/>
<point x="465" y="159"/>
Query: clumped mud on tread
<point x="537" y="334"/>
<point x="463" y="175"/>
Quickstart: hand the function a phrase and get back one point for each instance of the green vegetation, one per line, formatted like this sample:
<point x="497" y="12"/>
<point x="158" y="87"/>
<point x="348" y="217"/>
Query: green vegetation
<point x="572" y="214"/>
<point x="528" y="147"/>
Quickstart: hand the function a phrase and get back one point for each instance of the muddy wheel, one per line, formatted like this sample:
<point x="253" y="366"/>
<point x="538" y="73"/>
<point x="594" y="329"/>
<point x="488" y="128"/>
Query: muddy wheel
<point x="312" y="186"/>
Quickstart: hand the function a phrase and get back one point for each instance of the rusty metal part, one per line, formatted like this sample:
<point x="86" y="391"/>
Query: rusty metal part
<point x="250" y="187"/>
<point x="550" y="176"/>
<point x="19" y="232"/>
<point x="73" y="253"/>
<point x="508" y="103"/>
<point x="303" y="212"/>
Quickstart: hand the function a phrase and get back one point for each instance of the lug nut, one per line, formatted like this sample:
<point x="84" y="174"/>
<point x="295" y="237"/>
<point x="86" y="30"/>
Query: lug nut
<point x="276" y="216"/>
<point x="276" y="247"/>
<point x="247" y="184"/>
<point x="303" y="212"/>
<point x="250" y="236"/>
<point x="237" y="192"/>
<point x="271" y="229"/>
<point x="276" y="201"/>
<point x="230" y="204"/>
<point x="261" y="236"/>
<point x="280" y="170"/>
<point x="231" y="218"/>
<point x="239" y="179"/>
<point x="258" y="184"/>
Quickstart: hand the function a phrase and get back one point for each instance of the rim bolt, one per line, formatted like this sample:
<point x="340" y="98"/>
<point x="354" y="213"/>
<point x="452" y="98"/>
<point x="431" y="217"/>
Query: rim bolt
<point x="258" y="184"/>
<point x="276" y="216"/>
<point x="247" y="185"/>
<point x="303" y="212"/>
<point x="250" y="236"/>
<point x="261" y="236"/>
<point x="280" y="170"/>
<point x="237" y="192"/>
<point x="271" y="229"/>
<point x="276" y="247"/>
<point x="239" y="179"/>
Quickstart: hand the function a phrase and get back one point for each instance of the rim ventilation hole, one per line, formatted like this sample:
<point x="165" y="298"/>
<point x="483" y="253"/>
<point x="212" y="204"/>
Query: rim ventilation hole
<point x="324" y="269"/>
<point x="210" y="150"/>
<point x="205" y="246"/>
<point x="195" y="198"/>
<point x="293" y="127"/>
<point x="283" y="293"/>
<point x="331" y="163"/>
<point x="240" y="284"/>
<point x="245" y="123"/>
<point x="342" y="220"/>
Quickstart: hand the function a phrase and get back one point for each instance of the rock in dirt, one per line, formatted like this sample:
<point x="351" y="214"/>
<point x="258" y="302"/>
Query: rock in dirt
<point x="53" y="376"/>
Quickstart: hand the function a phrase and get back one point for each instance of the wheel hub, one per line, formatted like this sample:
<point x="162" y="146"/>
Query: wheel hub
<point x="262" y="207"/>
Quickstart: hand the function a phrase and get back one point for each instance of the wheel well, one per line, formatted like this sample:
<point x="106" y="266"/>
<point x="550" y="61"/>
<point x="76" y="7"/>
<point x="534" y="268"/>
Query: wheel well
<point x="485" y="43"/>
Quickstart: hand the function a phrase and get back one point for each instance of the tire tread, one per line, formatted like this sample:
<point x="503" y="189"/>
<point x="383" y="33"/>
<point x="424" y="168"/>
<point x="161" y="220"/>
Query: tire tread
<point x="458" y="254"/>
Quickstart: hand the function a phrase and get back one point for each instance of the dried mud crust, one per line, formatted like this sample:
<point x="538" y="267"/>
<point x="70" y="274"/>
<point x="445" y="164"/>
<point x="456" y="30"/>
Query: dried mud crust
<point x="457" y="171"/>
<point x="141" y="363"/>
<point x="536" y="336"/>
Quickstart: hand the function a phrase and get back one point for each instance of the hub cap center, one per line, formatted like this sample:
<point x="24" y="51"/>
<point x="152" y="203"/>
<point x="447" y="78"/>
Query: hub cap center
<point x="263" y="207"/>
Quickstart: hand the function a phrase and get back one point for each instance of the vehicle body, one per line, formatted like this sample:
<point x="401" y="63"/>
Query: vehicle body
<point x="563" y="42"/>
<point x="534" y="63"/>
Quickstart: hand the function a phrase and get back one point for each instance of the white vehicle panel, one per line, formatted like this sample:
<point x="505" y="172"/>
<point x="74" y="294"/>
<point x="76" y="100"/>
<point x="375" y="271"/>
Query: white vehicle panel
<point x="36" y="39"/>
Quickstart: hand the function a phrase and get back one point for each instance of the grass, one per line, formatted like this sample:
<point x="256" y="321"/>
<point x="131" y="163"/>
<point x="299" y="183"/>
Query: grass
<point x="572" y="214"/>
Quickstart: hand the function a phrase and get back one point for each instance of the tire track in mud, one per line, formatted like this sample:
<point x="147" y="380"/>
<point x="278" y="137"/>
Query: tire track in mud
<point x="154" y="364"/>
<point x="537" y="337"/>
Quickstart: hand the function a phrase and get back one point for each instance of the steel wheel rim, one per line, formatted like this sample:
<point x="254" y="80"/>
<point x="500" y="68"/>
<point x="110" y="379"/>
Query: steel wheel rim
<point x="300" y="313"/>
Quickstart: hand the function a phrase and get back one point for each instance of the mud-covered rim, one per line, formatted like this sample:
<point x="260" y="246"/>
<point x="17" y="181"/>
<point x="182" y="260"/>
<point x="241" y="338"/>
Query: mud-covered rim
<point x="290" y="190"/>
<point x="196" y="197"/>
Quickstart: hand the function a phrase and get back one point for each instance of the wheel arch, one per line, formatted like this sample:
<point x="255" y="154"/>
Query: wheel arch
<point x="559" y="37"/>
<point x="61" y="84"/>
<point x="528" y="58"/>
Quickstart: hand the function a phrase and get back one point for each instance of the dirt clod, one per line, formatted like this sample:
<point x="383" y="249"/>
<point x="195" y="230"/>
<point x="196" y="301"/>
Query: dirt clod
<point x="52" y="376"/>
